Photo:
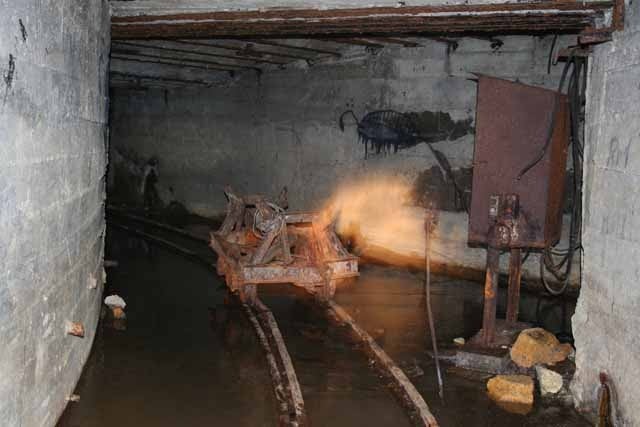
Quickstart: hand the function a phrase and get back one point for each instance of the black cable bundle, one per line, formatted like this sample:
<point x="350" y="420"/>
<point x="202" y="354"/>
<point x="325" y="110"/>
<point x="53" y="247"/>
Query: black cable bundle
<point x="561" y="270"/>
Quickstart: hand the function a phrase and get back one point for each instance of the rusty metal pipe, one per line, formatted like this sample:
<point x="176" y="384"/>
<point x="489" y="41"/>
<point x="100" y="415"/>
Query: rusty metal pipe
<point x="513" y="295"/>
<point x="290" y="46"/>
<point x="194" y="52"/>
<point x="241" y="49"/>
<point x="490" y="296"/>
<point x="182" y="60"/>
<point x="171" y="64"/>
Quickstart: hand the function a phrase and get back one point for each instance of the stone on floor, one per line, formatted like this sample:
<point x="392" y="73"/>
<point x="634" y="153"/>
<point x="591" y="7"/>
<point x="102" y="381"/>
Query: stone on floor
<point x="536" y="346"/>
<point x="550" y="381"/>
<point x="514" y="393"/>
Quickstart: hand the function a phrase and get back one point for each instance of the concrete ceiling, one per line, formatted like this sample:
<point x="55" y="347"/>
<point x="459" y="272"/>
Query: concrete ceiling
<point x="177" y="42"/>
<point x="163" y="62"/>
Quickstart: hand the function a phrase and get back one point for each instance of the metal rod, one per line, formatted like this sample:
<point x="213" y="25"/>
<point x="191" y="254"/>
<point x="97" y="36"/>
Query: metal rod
<point x="404" y="387"/>
<point x="113" y="210"/>
<point x="239" y="49"/>
<point x="173" y="58"/>
<point x="193" y="52"/>
<point x="490" y="296"/>
<point x="393" y="40"/>
<point x="297" y="411"/>
<point x="513" y="296"/>
<point x="162" y="242"/>
<point x="428" y="222"/>
<point x="274" y="370"/>
<point x="151" y="61"/>
<point x="354" y="41"/>
<point x="289" y="46"/>
<point x="164" y="79"/>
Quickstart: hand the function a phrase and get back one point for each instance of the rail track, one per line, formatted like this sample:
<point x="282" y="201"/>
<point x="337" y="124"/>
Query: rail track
<point x="286" y="388"/>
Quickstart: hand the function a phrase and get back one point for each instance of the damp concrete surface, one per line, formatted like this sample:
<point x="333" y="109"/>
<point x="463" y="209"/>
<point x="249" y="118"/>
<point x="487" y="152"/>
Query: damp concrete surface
<point x="186" y="355"/>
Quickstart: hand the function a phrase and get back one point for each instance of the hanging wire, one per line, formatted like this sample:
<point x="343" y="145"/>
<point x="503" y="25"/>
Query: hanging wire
<point x="561" y="270"/>
<point x="429" y="219"/>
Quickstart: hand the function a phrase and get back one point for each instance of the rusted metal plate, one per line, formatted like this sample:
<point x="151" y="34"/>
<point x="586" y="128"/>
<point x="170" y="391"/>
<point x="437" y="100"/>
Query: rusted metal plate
<point x="281" y="274"/>
<point x="300" y="217"/>
<point x="512" y="127"/>
<point x="516" y="16"/>
<point x="342" y="269"/>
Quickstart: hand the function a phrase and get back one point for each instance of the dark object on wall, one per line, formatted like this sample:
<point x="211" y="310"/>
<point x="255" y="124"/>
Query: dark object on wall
<point x="511" y="128"/>
<point x="381" y="130"/>
<point x="386" y="129"/>
<point x="432" y="187"/>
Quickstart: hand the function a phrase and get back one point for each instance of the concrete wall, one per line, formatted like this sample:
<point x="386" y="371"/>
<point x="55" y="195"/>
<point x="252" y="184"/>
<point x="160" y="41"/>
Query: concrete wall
<point x="260" y="134"/>
<point x="53" y="113"/>
<point x="607" y="318"/>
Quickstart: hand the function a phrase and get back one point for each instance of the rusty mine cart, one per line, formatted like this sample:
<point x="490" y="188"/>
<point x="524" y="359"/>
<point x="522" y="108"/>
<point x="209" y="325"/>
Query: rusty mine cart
<point x="259" y="242"/>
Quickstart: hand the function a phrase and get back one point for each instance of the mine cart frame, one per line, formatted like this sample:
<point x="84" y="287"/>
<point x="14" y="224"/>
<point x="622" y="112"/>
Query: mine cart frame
<point x="259" y="243"/>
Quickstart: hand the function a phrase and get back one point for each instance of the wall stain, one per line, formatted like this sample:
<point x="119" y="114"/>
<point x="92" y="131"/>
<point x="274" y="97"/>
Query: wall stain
<point x="384" y="129"/>
<point x="438" y="126"/>
<point x="618" y="156"/>
<point x="9" y="76"/>
<point x="23" y="30"/>
<point x="433" y="188"/>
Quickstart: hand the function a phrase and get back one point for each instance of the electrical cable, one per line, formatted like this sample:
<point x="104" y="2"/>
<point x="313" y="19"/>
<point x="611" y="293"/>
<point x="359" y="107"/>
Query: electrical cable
<point x="552" y="124"/>
<point x="576" y="95"/>
<point x="550" y="59"/>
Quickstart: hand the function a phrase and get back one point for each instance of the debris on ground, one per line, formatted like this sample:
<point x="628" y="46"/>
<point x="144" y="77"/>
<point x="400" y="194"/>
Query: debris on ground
<point x="116" y="308"/>
<point x="459" y="341"/>
<point x="513" y="393"/>
<point x="412" y="369"/>
<point x="536" y="346"/>
<point x="550" y="381"/>
<point x="115" y="301"/>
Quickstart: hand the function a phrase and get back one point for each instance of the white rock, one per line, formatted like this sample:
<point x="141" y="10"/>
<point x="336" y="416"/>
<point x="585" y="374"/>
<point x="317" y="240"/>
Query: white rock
<point x="115" y="301"/>
<point x="459" y="341"/>
<point x="550" y="381"/>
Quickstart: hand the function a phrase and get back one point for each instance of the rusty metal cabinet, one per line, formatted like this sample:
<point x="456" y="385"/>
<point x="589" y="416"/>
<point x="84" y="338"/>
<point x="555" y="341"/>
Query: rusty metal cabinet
<point x="513" y="122"/>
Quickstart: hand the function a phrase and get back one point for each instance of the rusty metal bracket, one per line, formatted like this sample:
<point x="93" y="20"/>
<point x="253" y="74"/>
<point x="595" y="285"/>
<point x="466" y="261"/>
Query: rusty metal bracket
<point x="504" y="210"/>
<point x="594" y="37"/>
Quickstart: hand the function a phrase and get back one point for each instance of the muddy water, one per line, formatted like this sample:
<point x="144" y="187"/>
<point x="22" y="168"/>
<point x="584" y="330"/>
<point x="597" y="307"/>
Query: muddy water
<point x="189" y="358"/>
<point x="184" y="358"/>
<point x="391" y="302"/>
<point x="338" y="386"/>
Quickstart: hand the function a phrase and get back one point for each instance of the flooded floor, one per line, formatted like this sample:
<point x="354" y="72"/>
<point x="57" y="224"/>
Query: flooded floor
<point x="188" y="357"/>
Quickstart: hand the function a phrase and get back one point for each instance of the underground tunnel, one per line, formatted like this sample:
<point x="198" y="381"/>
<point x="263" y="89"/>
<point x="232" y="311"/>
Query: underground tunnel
<point x="293" y="213"/>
